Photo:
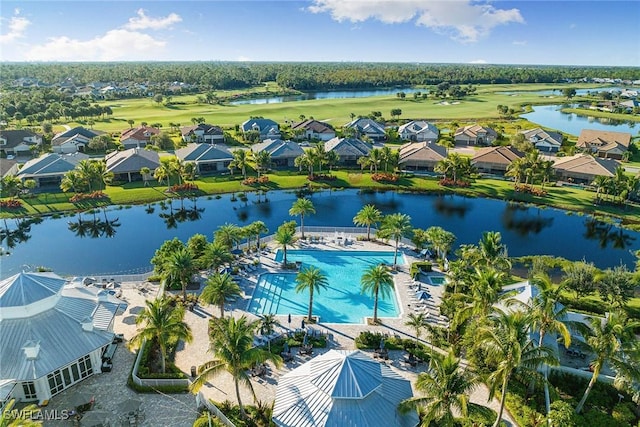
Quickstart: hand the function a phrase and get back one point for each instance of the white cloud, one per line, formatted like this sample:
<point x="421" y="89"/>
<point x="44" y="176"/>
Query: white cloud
<point x="462" y="20"/>
<point x="519" y="42"/>
<point x="16" y="28"/>
<point x="478" y="61"/>
<point x="113" y="45"/>
<point x="143" y="22"/>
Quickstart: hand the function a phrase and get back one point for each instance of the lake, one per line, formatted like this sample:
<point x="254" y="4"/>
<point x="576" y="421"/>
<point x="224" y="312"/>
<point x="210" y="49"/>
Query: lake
<point x="550" y="116"/>
<point x="332" y="94"/>
<point x="558" y="92"/>
<point x="123" y="240"/>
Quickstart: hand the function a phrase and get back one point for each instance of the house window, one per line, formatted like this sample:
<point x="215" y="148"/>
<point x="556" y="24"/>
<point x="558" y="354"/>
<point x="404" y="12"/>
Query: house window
<point x="55" y="382"/>
<point x="29" y="390"/>
<point x="86" y="368"/>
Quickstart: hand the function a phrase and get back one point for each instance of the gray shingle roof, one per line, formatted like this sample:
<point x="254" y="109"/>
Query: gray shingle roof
<point x="367" y="126"/>
<point x="348" y="146"/>
<point x="278" y="148"/>
<point x="132" y="160"/>
<point x="16" y="137"/>
<point x="62" y="137"/>
<point x="51" y="164"/>
<point x="204" y="153"/>
<point x="263" y="125"/>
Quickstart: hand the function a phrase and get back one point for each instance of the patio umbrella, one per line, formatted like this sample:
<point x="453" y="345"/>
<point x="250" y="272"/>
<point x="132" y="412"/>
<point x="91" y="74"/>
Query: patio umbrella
<point x="81" y="399"/>
<point x="129" y="405"/>
<point x="95" y="419"/>
<point x="285" y="348"/>
<point x="423" y="295"/>
<point x="419" y="286"/>
<point x="302" y="323"/>
<point x="289" y="319"/>
<point x="305" y="340"/>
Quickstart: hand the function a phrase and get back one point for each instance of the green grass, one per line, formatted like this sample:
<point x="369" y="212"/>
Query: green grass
<point x="335" y="111"/>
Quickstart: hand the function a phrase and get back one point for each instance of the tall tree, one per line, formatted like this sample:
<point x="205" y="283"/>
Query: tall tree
<point x="580" y="277"/>
<point x="286" y="236"/>
<point x="376" y="280"/>
<point x="312" y="280"/>
<point x="302" y="207"/>
<point x="262" y="160"/>
<point x="162" y="325"/>
<point x="508" y="346"/>
<point x="440" y="239"/>
<point x="180" y="268"/>
<point x="228" y="235"/>
<point x="611" y="342"/>
<point x="216" y="255"/>
<point x="417" y="321"/>
<point x="219" y="290"/>
<point x="240" y="161"/>
<point x="395" y="226"/>
<point x="234" y="353"/>
<point x="368" y="216"/>
<point x="445" y="390"/>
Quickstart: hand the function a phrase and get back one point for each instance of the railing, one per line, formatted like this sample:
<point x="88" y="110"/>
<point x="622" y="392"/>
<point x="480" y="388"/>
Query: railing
<point x="140" y="277"/>
<point x="154" y="382"/>
<point x="583" y="374"/>
<point x="207" y="403"/>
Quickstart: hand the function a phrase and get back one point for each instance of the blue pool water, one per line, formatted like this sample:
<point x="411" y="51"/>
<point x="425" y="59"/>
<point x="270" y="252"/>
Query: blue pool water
<point x="340" y="302"/>
<point x="437" y="280"/>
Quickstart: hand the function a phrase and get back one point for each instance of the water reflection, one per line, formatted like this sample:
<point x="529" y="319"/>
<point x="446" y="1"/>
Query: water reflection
<point x="173" y="217"/>
<point x="11" y="237"/>
<point x="606" y="233"/>
<point x="450" y="206"/>
<point x="94" y="228"/>
<point x="517" y="218"/>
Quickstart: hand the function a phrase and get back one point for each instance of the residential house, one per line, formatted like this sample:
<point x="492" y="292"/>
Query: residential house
<point x="311" y="129"/>
<point x="283" y="153"/>
<point x="475" y="135"/>
<point x="629" y="105"/>
<point x="73" y="140"/>
<point x="495" y="160"/>
<point x="419" y="131"/>
<point x="367" y="127"/>
<point x="605" y="144"/>
<point x="208" y="158"/>
<point x="8" y="167"/>
<point x="583" y="168"/>
<point x="49" y="169"/>
<point x="421" y="156"/>
<point x="349" y="149"/>
<point x="54" y="333"/>
<point x="125" y="165"/>
<point x="202" y="133"/>
<point x="17" y="142"/>
<point x="543" y="140"/>
<point x="138" y="137"/>
<point x="267" y="128"/>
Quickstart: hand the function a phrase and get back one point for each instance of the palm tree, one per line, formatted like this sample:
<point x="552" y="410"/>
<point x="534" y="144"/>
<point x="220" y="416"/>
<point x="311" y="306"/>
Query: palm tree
<point x="258" y="228"/>
<point x="517" y="169"/>
<point x="493" y="252"/>
<point x="228" y="235"/>
<point x="163" y="325"/>
<point x="305" y="161"/>
<point x="417" y="321"/>
<point x="486" y="287"/>
<point x="546" y="315"/>
<point x="101" y="172"/>
<point x="319" y="155"/>
<point x="145" y="172"/>
<point x="440" y="239"/>
<point x="240" y="161"/>
<point x="161" y="173"/>
<point x="87" y="171"/>
<point x="263" y="161"/>
<point x="369" y="215"/>
<point x="332" y="158"/>
<point x="376" y="280"/>
<point x="219" y="290"/>
<point x="216" y="255"/>
<point x="234" y="353"/>
<point x="395" y="226"/>
<point x="446" y="389"/>
<point x="310" y="279"/>
<point x="374" y="159"/>
<point x="26" y="417"/>
<point x="72" y="180"/>
<point x="302" y="207"/>
<point x="286" y="236"/>
<point x="268" y="323"/>
<point x="613" y="342"/>
<point x="601" y="182"/>
<point x="387" y="157"/>
<point x="180" y="268"/>
<point x="507" y="344"/>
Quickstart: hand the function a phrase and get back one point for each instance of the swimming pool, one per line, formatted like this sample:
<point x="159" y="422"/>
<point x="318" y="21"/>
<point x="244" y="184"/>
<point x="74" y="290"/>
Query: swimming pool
<point x="437" y="280"/>
<point x="340" y="302"/>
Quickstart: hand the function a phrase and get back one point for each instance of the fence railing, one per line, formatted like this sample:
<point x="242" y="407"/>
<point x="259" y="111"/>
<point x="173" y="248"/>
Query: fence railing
<point x="154" y="382"/>
<point x="207" y="403"/>
<point x="140" y="277"/>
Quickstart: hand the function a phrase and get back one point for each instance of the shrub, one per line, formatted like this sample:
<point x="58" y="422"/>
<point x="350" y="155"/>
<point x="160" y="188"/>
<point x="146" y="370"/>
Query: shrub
<point x="10" y="204"/>
<point x="449" y="182"/>
<point x="385" y="177"/>
<point x="321" y="177"/>
<point x="182" y="188"/>
<point x="562" y="414"/>
<point x="526" y="188"/>
<point x="96" y="195"/>
<point x="623" y="413"/>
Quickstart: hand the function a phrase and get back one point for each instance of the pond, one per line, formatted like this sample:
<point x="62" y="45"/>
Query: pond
<point x="558" y="92"/>
<point x="123" y="240"/>
<point x="550" y="116"/>
<point x="332" y="94"/>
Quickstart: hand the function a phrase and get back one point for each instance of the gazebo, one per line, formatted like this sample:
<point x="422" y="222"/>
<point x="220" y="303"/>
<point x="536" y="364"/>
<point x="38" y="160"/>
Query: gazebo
<point x="342" y="388"/>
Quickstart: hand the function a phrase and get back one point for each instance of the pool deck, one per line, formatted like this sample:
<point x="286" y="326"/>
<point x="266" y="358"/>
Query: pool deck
<point x="180" y="410"/>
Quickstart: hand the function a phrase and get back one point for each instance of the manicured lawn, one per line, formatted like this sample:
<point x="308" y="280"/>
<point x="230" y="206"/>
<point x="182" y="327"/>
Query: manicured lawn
<point x="335" y="111"/>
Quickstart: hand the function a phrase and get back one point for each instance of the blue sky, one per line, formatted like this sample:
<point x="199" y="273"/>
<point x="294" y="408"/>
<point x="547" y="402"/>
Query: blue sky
<point x="447" y="31"/>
